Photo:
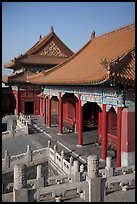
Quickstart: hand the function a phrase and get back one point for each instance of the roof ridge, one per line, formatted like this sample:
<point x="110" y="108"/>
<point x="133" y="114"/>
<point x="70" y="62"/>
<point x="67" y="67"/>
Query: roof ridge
<point x="63" y="43"/>
<point x="122" y="59"/>
<point x="123" y="54"/>
<point x="37" y="43"/>
<point x="82" y="48"/>
<point x="120" y="29"/>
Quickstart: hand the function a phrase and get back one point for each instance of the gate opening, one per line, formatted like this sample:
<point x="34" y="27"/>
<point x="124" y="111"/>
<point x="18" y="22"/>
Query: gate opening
<point x="29" y="107"/>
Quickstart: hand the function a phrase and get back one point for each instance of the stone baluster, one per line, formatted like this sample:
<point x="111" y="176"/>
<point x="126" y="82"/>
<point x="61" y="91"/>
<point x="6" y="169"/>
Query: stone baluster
<point x="20" y="192"/>
<point x="10" y="125"/>
<point x="39" y="172"/>
<point x="12" y="132"/>
<point x="93" y="166"/>
<point x="20" y="179"/>
<point x="109" y="168"/>
<point x="6" y="162"/>
<point x="39" y="179"/>
<point x="48" y="148"/>
<point x="29" y="156"/>
<point x="58" y="198"/>
<point x="26" y="128"/>
<point x="62" y="157"/>
<point x="55" y="150"/>
<point x="71" y="164"/>
<point x="96" y="183"/>
<point x="29" y="119"/>
<point x="124" y="185"/>
<point x="76" y="173"/>
<point x="81" y="171"/>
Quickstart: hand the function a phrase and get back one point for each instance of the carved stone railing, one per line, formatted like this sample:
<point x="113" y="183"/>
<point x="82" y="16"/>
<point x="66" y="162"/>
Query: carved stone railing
<point x="6" y="133"/>
<point x="77" y="190"/>
<point x="59" y="179"/>
<point x="121" y="182"/>
<point x="28" y="157"/>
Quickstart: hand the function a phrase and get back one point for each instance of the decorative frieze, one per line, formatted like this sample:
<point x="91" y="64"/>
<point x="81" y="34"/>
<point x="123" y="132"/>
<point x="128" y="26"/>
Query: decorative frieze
<point x="88" y="94"/>
<point x="91" y="98"/>
<point x="51" y="92"/>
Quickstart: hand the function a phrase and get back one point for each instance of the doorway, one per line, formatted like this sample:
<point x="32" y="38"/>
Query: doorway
<point x="29" y="107"/>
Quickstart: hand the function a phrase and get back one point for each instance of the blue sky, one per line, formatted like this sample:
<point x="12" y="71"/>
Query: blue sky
<point x="73" y="22"/>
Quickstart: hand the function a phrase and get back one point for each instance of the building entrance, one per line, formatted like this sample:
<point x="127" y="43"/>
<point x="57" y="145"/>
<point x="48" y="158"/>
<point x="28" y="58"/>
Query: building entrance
<point x="29" y="107"/>
<point x="90" y="116"/>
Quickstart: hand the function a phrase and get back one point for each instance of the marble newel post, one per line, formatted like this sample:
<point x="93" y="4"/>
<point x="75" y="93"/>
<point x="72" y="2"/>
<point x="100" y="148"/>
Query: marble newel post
<point x="96" y="183"/>
<point x="39" y="179"/>
<point x="20" y="191"/>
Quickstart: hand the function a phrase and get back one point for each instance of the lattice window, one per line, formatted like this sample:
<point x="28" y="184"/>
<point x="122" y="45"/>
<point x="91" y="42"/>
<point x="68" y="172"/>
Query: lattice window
<point x="112" y="122"/>
<point x="53" y="50"/>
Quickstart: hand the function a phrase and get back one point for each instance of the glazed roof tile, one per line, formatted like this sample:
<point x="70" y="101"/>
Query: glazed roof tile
<point x="85" y="67"/>
<point x="32" y="56"/>
<point x="17" y="77"/>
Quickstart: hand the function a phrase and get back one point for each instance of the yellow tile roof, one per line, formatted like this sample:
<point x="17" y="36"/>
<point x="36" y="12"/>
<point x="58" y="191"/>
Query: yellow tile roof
<point x="85" y="66"/>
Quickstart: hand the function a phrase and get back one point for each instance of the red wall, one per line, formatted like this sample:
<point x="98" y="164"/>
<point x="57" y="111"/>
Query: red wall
<point x="54" y="105"/>
<point x="8" y="101"/>
<point x="128" y="130"/>
<point x="27" y="96"/>
<point x="69" y="107"/>
<point x="41" y="109"/>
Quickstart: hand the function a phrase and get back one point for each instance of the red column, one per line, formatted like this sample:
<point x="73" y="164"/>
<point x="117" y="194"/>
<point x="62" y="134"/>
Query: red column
<point x="44" y="108"/>
<point x="104" y="132"/>
<point x="49" y="112"/>
<point x="99" y="124"/>
<point x="77" y="115"/>
<point x="119" y="116"/>
<point x="60" y="113"/>
<point x="38" y="103"/>
<point x="40" y="106"/>
<point x="17" y="102"/>
<point x="80" y="137"/>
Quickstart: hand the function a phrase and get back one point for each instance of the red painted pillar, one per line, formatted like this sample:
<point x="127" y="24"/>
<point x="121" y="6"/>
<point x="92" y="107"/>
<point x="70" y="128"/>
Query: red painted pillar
<point x="49" y="112"/>
<point x="44" y="108"/>
<point x="40" y="105"/>
<point x="77" y="115"/>
<point x="60" y="113"/>
<point x="80" y="137"/>
<point x="119" y="121"/>
<point x="99" y="124"/>
<point x="104" y="132"/>
<point x="17" y="102"/>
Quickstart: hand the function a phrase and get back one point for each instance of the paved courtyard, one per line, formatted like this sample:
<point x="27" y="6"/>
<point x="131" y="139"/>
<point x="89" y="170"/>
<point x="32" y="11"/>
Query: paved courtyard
<point x="40" y="134"/>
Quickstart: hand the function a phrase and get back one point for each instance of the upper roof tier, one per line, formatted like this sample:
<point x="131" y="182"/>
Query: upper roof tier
<point x="49" y="50"/>
<point x="108" y="57"/>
